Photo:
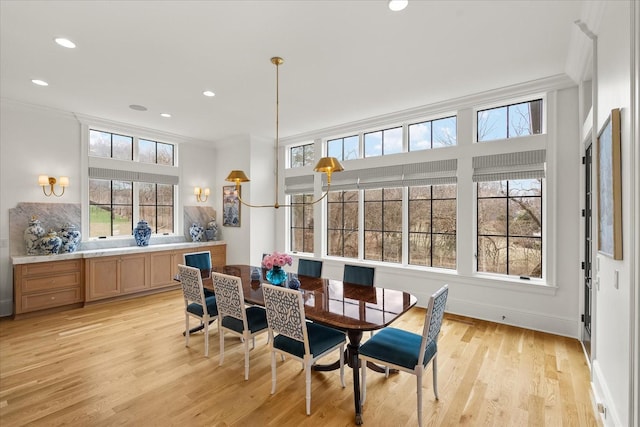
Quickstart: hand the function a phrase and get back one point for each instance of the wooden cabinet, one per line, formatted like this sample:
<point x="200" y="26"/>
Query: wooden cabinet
<point x="45" y="285"/>
<point x="163" y="267"/>
<point x="113" y="276"/>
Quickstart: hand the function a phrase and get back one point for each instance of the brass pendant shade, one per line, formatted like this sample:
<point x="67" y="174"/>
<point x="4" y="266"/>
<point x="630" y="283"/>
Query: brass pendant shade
<point x="326" y="165"/>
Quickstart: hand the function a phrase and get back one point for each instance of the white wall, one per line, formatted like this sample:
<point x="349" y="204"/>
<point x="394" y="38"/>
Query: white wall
<point x="35" y="140"/>
<point x="613" y="317"/>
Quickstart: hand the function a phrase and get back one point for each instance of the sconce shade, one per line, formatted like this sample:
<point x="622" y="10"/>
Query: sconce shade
<point x="199" y="192"/>
<point x="196" y="191"/>
<point x="237" y="177"/>
<point x="49" y="181"/>
<point x="64" y="181"/>
<point x="43" y="180"/>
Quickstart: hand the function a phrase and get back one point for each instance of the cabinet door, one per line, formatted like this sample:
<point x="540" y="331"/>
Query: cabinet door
<point x="134" y="273"/>
<point x="102" y="278"/>
<point x="161" y="264"/>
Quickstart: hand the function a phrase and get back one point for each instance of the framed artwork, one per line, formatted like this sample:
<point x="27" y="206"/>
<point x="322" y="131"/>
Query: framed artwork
<point x="610" y="188"/>
<point x="230" y="206"/>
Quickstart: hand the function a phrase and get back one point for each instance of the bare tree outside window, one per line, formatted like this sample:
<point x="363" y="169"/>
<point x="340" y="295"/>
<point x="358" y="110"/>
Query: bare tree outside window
<point x="302" y="155"/>
<point x="342" y="223"/>
<point x="510" y="121"/>
<point x="383" y="224"/>
<point x="301" y="223"/>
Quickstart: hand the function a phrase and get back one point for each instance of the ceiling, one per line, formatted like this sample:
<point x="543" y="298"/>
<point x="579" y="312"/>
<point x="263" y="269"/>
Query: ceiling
<point x="344" y="60"/>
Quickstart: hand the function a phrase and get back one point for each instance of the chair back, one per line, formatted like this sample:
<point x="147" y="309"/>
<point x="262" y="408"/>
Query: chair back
<point x="229" y="297"/>
<point x="433" y="319"/>
<point x="192" y="288"/>
<point x="285" y="313"/>
<point x="358" y="275"/>
<point x="310" y="267"/>
<point x="200" y="260"/>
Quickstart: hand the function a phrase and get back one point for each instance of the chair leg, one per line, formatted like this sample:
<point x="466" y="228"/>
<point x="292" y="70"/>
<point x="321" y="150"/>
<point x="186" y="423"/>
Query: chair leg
<point x="419" y="397"/>
<point x="307" y="375"/>
<point x="363" y="383"/>
<point x="342" y="366"/>
<point x="246" y="357"/>
<point x="186" y="331"/>
<point x="221" y="334"/>
<point x="435" y="375"/>
<point x="273" y="372"/>
<point x="206" y="338"/>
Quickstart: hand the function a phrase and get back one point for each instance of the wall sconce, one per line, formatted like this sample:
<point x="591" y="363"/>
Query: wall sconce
<point x="44" y="180"/>
<point x="199" y="192"/>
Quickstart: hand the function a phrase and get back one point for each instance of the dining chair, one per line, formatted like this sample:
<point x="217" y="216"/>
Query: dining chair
<point x="358" y="275"/>
<point x="309" y="267"/>
<point x="407" y="351"/>
<point x="196" y="304"/>
<point x="201" y="260"/>
<point x="234" y="317"/>
<point x="302" y="340"/>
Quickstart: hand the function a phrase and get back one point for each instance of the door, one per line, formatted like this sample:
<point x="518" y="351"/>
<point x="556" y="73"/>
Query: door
<point x="588" y="246"/>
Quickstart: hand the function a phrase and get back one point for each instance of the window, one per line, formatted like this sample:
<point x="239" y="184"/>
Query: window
<point x="510" y="121"/>
<point x="302" y="155"/>
<point x="344" y="148"/>
<point x="383" y="142"/>
<point x="432" y="226"/>
<point x="120" y="194"/>
<point x="383" y="224"/>
<point x="342" y="223"/>
<point x="433" y="134"/>
<point x="510" y="227"/>
<point x="301" y="222"/>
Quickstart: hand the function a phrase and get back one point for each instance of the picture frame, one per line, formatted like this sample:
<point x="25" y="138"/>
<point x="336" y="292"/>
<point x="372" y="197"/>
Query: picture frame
<point x="610" y="188"/>
<point x="230" y="206"/>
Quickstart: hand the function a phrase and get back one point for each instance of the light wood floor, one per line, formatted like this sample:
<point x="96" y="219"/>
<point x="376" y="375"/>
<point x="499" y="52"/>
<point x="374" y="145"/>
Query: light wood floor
<point x="125" y="363"/>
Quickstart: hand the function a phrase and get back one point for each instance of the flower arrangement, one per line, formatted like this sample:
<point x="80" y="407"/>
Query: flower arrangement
<point x="276" y="259"/>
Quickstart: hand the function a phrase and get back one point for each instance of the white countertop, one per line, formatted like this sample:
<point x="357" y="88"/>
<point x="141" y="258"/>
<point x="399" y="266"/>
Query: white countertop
<point x="29" y="259"/>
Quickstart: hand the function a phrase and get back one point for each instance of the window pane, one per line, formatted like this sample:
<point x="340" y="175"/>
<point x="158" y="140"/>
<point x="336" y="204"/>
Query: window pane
<point x="393" y="216"/>
<point x="492" y="124"/>
<point x="148" y="213"/>
<point x="297" y="157"/>
<point x="524" y="217"/>
<point x="492" y="214"/>
<point x="446" y="191"/>
<point x="122" y="147"/>
<point x="99" y="144"/>
<point x="525" y="118"/>
<point x="146" y="151"/>
<point x="334" y="215"/>
<point x="373" y="245"/>
<point x="99" y="220"/>
<point x="334" y="242"/>
<point x="444" y="251"/>
<point x="165" y="154"/>
<point x="297" y="240"/>
<point x="373" y="144"/>
<point x="122" y="220"/>
<point x="351" y="150"/>
<point x="420" y="216"/>
<point x="492" y="254"/>
<point x="351" y="244"/>
<point x="308" y="154"/>
<point x="165" y="194"/>
<point x="525" y="257"/>
<point x="444" y="132"/>
<point x="334" y="148"/>
<point x="122" y="192"/>
<point x="373" y="216"/>
<point x="492" y="189"/>
<point x="420" y="136"/>
<point x="392" y="247"/>
<point x="99" y="191"/>
<point x="420" y="249"/>
<point x="525" y="187"/>
<point x="392" y="141"/>
<point x="308" y="240"/>
<point x="165" y="219"/>
<point x="146" y="193"/>
<point x="444" y="216"/>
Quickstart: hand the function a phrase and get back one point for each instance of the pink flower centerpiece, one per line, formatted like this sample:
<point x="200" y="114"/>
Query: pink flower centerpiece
<point x="274" y="263"/>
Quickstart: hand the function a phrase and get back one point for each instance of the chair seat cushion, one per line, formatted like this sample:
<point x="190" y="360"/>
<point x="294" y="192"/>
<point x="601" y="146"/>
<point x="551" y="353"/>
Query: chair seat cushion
<point x="256" y="320"/>
<point x="321" y="339"/>
<point x="398" y="347"/>
<point x="196" y="308"/>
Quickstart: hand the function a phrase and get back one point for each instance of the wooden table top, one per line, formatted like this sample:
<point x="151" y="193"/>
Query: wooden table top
<point x="331" y="302"/>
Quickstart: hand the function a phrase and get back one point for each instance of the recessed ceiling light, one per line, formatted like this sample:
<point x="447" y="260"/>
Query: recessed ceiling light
<point x="398" y="5"/>
<point x="208" y="93"/>
<point x="165" y="114"/>
<point x="65" y="42"/>
<point x="39" y="82"/>
<point x="138" y="107"/>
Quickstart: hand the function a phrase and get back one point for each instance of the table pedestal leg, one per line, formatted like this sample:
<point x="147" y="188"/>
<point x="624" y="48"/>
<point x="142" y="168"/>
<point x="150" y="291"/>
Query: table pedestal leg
<point x="354" y="363"/>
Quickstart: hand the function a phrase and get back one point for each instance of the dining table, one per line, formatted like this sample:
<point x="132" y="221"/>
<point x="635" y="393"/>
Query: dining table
<point x="349" y="307"/>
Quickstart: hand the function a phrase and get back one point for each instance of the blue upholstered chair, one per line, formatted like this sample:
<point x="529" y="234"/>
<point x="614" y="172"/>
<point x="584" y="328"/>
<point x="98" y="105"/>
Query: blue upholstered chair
<point x="358" y="275"/>
<point x="303" y="341"/>
<point x="195" y="303"/>
<point x="234" y="317"/>
<point x="309" y="267"/>
<point x="406" y="351"/>
<point x="201" y="260"/>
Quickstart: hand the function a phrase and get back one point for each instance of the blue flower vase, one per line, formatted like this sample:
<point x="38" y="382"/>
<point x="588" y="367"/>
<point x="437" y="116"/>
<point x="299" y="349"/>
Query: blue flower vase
<point x="196" y="231"/>
<point x="294" y="283"/>
<point x="276" y="276"/>
<point x="142" y="233"/>
<point x="70" y="238"/>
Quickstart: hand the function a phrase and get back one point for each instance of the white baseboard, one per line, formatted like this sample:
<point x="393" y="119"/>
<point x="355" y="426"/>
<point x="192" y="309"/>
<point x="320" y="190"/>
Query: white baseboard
<point x="508" y="316"/>
<point x="602" y="395"/>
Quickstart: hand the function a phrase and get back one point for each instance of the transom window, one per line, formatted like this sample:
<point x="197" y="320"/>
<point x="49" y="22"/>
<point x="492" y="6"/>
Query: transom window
<point x="346" y="148"/>
<point x="110" y="145"/>
<point x="433" y="134"/>
<point x="155" y="152"/>
<point x="383" y="142"/>
<point x="510" y="227"/>
<point x="302" y="155"/>
<point x="510" y="121"/>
